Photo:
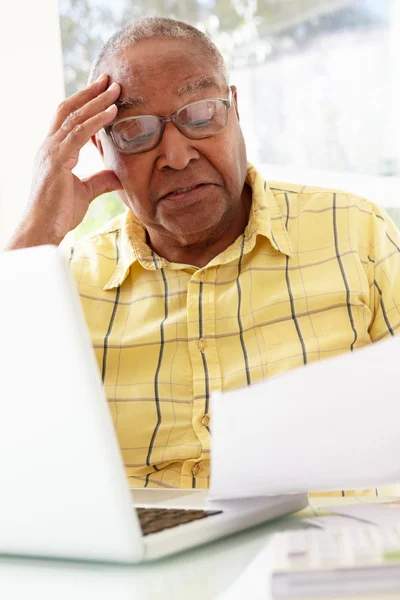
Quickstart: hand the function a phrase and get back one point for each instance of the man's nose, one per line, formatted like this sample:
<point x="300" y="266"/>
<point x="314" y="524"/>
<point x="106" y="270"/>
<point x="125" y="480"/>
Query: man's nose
<point x="175" y="150"/>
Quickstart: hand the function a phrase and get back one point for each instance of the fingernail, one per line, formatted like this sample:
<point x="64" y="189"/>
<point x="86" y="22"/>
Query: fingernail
<point x="100" y="77"/>
<point x="113" y="86"/>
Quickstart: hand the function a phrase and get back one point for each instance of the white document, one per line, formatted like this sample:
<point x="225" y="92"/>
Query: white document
<point x="332" y="425"/>
<point x="380" y="514"/>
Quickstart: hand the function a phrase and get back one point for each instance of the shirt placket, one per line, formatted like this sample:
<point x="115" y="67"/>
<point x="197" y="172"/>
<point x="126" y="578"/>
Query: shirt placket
<point x="205" y="367"/>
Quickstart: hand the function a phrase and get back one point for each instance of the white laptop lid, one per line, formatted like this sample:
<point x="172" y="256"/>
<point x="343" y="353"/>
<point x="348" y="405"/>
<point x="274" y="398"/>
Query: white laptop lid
<point x="63" y="488"/>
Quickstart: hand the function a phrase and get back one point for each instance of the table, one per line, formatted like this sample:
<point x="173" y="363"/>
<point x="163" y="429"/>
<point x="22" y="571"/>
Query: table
<point x="234" y="568"/>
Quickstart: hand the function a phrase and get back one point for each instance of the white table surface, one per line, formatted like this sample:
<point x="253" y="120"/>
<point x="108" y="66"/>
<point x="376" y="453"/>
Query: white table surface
<point x="234" y="568"/>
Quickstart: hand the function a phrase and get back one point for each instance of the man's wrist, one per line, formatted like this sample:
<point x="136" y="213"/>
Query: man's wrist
<point x="30" y="234"/>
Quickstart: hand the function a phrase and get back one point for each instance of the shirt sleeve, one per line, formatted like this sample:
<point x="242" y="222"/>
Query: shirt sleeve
<point x="384" y="275"/>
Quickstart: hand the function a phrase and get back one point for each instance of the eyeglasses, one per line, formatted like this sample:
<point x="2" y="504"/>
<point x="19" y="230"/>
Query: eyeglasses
<point x="198" y="120"/>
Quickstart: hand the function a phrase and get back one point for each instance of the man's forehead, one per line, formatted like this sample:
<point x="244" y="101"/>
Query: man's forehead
<point x="170" y="63"/>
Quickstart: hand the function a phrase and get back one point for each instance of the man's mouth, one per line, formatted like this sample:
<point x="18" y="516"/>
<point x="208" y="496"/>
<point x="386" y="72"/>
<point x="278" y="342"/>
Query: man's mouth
<point x="179" y="191"/>
<point x="184" y="193"/>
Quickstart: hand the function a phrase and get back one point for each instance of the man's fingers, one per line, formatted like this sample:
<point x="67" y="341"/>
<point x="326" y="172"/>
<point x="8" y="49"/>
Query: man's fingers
<point x="82" y="133"/>
<point x="101" y="183"/>
<point x="76" y="101"/>
<point x="91" y="109"/>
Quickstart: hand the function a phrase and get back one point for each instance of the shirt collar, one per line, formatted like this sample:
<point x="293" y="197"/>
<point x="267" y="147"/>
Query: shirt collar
<point x="265" y="219"/>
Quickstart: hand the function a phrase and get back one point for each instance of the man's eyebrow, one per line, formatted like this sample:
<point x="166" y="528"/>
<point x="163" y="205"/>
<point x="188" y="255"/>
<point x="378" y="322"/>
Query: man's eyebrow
<point x="186" y="89"/>
<point x="133" y="102"/>
<point x="197" y="85"/>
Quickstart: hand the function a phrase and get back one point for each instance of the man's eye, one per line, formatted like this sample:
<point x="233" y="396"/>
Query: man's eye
<point x="138" y="139"/>
<point x="199" y="124"/>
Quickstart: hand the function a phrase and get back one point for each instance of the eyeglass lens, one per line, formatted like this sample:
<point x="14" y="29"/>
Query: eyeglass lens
<point x="195" y="121"/>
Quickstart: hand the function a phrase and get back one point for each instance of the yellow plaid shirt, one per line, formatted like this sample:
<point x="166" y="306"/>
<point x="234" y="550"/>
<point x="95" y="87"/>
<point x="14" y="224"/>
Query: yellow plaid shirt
<point x="316" y="273"/>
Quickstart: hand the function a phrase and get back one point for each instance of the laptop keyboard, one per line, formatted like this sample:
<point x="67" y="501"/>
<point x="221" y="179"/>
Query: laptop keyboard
<point x="153" y="520"/>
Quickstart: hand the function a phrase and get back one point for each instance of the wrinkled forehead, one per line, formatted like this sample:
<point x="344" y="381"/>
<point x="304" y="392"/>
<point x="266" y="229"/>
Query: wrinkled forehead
<point x="159" y="67"/>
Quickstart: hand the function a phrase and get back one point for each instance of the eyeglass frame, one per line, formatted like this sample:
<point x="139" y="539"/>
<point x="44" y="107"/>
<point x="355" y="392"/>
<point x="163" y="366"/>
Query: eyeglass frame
<point x="108" y="129"/>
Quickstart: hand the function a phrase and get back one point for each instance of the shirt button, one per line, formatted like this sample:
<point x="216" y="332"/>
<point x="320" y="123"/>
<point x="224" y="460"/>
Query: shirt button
<point x="201" y="345"/>
<point x="205" y="420"/>
<point x="195" y="469"/>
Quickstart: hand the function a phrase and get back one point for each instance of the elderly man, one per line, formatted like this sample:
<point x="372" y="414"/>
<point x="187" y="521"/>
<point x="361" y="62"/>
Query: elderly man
<point x="213" y="279"/>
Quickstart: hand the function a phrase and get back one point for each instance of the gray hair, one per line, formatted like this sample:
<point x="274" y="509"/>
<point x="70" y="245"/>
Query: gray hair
<point x="157" y="27"/>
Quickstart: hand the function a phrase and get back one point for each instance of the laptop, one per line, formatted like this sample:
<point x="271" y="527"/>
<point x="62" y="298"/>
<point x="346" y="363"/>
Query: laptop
<point x="64" y="493"/>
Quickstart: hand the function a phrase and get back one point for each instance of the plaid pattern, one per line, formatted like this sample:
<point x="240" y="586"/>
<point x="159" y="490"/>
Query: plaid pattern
<point x="315" y="274"/>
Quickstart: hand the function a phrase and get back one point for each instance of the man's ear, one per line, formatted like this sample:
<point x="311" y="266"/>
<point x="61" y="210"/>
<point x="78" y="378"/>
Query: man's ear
<point x="235" y="101"/>
<point x="96" y="141"/>
<point x="122" y="196"/>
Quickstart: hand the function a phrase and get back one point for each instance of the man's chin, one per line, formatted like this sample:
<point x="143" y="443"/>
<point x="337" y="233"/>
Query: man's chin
<point x="186" y="229"/>
<point x="195" y="222"/>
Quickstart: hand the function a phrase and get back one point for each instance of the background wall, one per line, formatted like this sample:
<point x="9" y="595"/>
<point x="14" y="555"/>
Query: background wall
<point x="32" y="85"/>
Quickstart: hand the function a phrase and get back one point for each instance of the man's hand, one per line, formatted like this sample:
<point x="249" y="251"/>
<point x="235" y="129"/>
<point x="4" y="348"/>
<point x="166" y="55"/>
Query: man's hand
<point x="59" y="200"/>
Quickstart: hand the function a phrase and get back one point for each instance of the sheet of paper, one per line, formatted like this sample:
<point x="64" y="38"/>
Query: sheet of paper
<point x="332" y="425"/>
<point x="382" y="515"/>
